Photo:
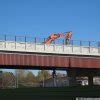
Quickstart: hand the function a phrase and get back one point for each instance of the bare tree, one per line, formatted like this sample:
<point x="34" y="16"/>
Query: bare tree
<point x="8" y="80"/>
<point x="30" y="77"/>
<point x="20" y="77"/>
<point x="43" y="75"/>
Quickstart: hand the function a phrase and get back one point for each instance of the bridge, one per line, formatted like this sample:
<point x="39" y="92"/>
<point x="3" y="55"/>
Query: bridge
<point x="80" y="58"/>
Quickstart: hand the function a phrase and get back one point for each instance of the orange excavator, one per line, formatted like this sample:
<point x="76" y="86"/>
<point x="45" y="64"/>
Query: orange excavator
<point x="52" y="37"/>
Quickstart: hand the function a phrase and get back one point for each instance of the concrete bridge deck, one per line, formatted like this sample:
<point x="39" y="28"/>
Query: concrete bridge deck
<point x="52" y="48"/>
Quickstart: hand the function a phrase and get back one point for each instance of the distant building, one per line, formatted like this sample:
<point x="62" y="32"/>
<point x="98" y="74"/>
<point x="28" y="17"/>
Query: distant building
<point x="96" y="80"/>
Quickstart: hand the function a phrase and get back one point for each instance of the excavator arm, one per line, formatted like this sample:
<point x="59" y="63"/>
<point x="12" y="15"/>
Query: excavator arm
<point x="52" y="37"/>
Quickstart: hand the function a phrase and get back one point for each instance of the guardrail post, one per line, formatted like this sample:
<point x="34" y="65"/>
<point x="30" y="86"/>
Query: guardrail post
<point x="89" y="47"/>
<point x="98" y="47"/>
<point x="54" y="46"/>
<point x="35" y="43"/>
<point x="5" y="40"/>
<point x="15" y="42"/>
<point x="72" y="45"/>
<point x="25" y="42"/>
<point x="80" y="46"/>
<point x="44" y="44"/>
<point x="63" y="46"/>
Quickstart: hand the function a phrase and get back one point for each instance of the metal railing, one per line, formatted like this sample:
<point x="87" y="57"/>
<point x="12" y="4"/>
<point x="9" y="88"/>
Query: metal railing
<point x="34" y="43"/>
<point x="41" y="40"/>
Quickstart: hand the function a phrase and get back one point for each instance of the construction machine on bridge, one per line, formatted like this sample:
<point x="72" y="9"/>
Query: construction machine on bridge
<point x="53" y="37"/>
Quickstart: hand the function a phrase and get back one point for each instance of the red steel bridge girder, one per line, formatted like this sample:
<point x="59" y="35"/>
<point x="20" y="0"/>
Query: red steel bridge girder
<point x="47" y="61"/>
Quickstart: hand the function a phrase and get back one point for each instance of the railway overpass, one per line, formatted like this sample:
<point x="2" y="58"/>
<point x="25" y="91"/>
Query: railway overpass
<point x="77" y="60"/>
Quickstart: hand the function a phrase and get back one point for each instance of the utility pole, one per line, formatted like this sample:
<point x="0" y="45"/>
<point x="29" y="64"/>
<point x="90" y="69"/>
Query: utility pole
<point x="16" y="78"/>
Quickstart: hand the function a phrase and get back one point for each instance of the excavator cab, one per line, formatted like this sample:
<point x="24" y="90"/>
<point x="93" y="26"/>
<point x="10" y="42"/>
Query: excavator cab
<point x="68" y="38"/>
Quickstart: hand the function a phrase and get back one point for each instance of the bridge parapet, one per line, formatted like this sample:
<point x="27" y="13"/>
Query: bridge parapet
<point x="52" y="48"/>
<point x="29" y="45"/>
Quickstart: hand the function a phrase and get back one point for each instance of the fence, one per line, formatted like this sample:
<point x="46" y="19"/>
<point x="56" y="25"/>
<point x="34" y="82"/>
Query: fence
<point x="31" y="44"/>
<point x="41" y="40"/>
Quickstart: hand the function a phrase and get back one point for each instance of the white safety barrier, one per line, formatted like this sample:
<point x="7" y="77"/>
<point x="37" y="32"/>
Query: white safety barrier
<point x="51" y="48"/>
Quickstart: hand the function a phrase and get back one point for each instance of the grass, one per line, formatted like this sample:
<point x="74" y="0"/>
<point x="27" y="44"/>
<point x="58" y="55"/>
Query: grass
<point x="62" y="93"/>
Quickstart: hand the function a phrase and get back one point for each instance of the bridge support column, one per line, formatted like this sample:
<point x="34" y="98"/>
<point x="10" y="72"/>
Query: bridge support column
<point x="72" y="81"/>
<point x="54" y="77"/>
<point x="71" y="73"/>
<point x="90" y="80"/>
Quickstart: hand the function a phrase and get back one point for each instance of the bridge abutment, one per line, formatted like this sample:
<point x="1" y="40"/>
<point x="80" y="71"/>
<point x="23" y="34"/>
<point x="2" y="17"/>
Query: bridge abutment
<point x="83" y="74"/>
<point x="71" y="73"/>
<point x="90" y="80"/>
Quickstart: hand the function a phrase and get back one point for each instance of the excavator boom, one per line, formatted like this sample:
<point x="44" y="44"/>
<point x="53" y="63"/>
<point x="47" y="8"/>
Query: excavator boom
<point x="52" y="37"/>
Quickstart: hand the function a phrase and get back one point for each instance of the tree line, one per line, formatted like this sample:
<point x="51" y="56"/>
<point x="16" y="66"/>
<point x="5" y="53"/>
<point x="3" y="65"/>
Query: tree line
<point x="23" y="78"/>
